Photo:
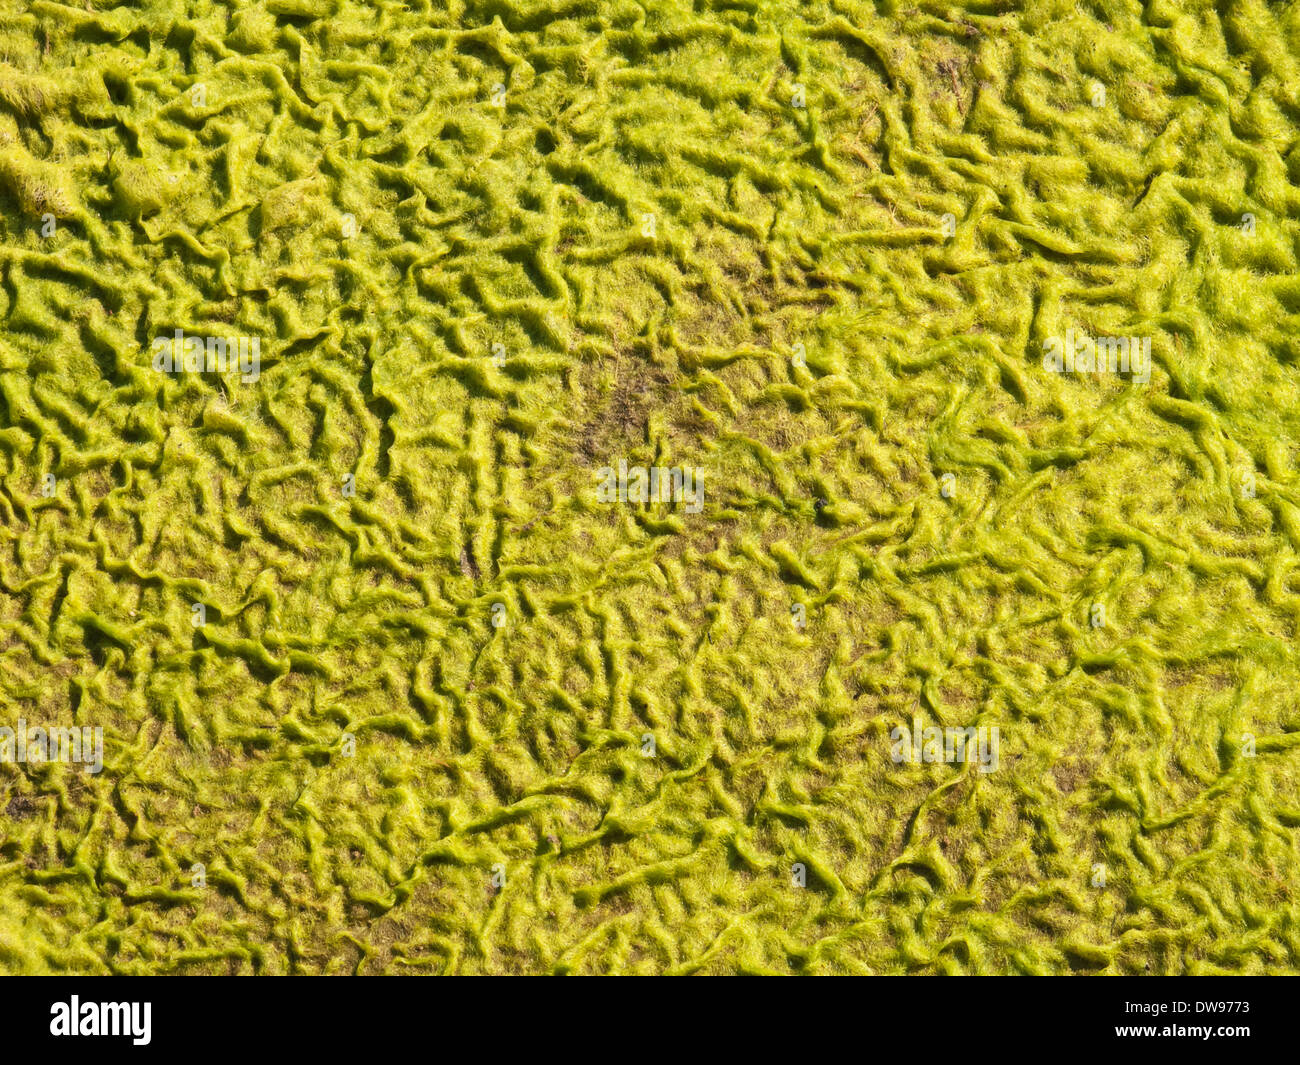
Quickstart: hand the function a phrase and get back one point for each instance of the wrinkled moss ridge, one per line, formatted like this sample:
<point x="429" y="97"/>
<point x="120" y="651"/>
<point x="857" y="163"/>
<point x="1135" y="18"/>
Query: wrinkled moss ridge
<point x="223" y="211"/>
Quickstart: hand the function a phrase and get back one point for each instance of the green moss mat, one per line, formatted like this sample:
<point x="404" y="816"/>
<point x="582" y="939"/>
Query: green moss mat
<point x="486" y="252"/>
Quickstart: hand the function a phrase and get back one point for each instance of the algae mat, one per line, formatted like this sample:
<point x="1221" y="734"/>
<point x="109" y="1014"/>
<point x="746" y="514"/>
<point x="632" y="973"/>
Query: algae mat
<point x="340" y="341"/>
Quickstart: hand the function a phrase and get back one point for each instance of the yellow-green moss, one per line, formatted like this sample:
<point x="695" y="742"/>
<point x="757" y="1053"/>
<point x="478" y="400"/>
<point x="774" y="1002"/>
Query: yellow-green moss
<point x="799" y="320"/>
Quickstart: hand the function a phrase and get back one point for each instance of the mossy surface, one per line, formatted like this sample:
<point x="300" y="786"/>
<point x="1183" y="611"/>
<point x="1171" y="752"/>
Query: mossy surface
<point x="381" y="193"/>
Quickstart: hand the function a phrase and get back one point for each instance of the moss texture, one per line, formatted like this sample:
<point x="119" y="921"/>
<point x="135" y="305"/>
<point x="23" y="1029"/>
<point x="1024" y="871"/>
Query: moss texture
<point x="381" y="193"/>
